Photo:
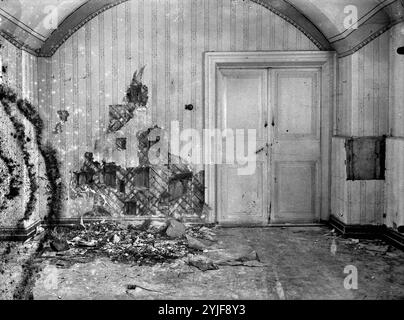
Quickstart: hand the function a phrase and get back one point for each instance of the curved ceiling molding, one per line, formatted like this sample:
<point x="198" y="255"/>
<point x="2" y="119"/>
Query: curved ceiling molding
<point x="18" y="44"/>
<point x="92" y="8"/>
<point x="322" y="21"/>
<point x="388" y="14"/>
<point x="292" y="15"/>
<point x="73" y="22"/>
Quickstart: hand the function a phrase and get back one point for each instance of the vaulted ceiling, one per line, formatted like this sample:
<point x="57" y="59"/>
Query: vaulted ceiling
<point x="37" y="27"/>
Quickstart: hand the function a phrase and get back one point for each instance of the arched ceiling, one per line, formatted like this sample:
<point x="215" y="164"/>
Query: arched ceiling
<point x="31" y="24"/>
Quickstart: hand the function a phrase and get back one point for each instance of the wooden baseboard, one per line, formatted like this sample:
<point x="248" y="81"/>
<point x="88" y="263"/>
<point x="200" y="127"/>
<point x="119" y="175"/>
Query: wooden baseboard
<point x="18" y="234"/>
<point x="393" y="237"/>
<point x="356" y="231"/>
<point x="368" y="232"/>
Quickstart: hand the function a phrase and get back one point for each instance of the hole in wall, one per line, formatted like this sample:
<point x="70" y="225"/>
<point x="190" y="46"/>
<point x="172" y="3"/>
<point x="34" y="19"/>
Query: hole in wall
<point x="365" y="158"/>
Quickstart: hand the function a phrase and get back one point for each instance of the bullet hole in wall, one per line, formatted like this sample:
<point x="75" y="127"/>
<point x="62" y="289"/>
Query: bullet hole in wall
<point x="120" y="144"/>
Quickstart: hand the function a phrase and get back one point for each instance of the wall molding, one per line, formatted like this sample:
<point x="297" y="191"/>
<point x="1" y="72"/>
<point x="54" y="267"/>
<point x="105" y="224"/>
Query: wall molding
<point x="345" y="43"/>
<point x="326" y="61"/>
<point x="18" y="234"/>
<point x="292" y="15"/>
<point x="368" y="232"/>
<point x="281" y="8"/>
<point x="369" y="39"/>
<point x="19" y="45"/>
<point x="93" y="8"/>
<point x="362" y="20"/>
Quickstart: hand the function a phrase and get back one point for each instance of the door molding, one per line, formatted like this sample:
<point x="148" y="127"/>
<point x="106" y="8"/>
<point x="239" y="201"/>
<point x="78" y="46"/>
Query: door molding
<point x="325" y="60"/>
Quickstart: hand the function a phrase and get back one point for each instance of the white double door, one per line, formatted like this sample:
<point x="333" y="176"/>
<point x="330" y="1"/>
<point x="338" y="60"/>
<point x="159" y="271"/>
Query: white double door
<point x="283" y="106"/>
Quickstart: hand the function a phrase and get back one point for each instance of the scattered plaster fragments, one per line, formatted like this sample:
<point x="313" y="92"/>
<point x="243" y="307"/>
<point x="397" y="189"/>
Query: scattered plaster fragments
<point x="148" y="243"/>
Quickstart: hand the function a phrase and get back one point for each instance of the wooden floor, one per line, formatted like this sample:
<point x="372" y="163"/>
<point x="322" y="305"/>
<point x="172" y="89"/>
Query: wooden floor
<point x="296" y="263"/>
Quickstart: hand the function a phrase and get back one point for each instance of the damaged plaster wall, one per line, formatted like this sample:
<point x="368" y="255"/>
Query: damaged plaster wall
<point x="91" y="71"/>
<point x="354" y="202"/>
<point x="362" y="111"/>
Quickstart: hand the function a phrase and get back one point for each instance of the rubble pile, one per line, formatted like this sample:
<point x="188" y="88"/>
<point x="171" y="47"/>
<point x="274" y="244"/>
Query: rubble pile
<point x="147" y="244"/>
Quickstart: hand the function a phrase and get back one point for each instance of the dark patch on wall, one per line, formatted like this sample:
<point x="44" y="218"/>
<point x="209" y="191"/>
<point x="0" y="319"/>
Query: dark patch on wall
<point x="179" y="185"/>
<point x="131" y="208"/>
<point x="120" y="144"/>
<point x="145" y="142"/>
<point x="13" y="170"/>
<point x="136" y="96"/>
<point x="139" y="177"/>
<point x="366" y="158"/>
<point x="109" y="174"/>
<point x="57" y="189"/>
<point x="137" y="92"/>
<point x="119" y="116"/>
<point x="63" y="116"/>
<point x="400" y="50"/>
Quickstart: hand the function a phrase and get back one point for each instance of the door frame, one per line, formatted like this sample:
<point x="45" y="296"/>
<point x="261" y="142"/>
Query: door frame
<point x="324" y="60"/>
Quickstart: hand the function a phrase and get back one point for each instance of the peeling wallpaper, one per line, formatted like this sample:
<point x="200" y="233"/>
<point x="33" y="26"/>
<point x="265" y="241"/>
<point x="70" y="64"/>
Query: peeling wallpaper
<point x="93" y="68"/>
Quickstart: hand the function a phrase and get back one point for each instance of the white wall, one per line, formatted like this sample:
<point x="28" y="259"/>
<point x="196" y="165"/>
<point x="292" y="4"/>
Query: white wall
<point x="395" y="144"/>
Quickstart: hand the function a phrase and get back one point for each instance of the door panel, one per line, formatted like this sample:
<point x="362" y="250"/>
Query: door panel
<point x="296" y="106"/>
<point x="295" y="197"/>
<point x="242" y="105"/>
<point x="295" y="150"/>
<point x="285" y="185"/>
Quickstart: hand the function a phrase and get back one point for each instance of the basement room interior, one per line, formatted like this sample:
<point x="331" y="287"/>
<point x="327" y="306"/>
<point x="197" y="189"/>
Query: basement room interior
<point x="202" y="150"/>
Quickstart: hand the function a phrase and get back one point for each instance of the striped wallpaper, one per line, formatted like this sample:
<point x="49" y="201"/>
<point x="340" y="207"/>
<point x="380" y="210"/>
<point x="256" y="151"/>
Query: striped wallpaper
<point x="22" y="71"/>
<point x="93" y="68"/>
<point x="362" y="110"/>
<point x="363" y="97"/>
<point x="354" y="202"/>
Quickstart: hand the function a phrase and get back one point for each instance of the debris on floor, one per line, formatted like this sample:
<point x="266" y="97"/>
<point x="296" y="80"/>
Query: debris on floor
<point x="202" y="263"/>
<point x="175" y="229"/>
<point x="148" y="244"/>
<point x="59" y="245"/>
<point x="242" y="263"/>
<point x="372" y="246"/>
<point x="197" y="244"/>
